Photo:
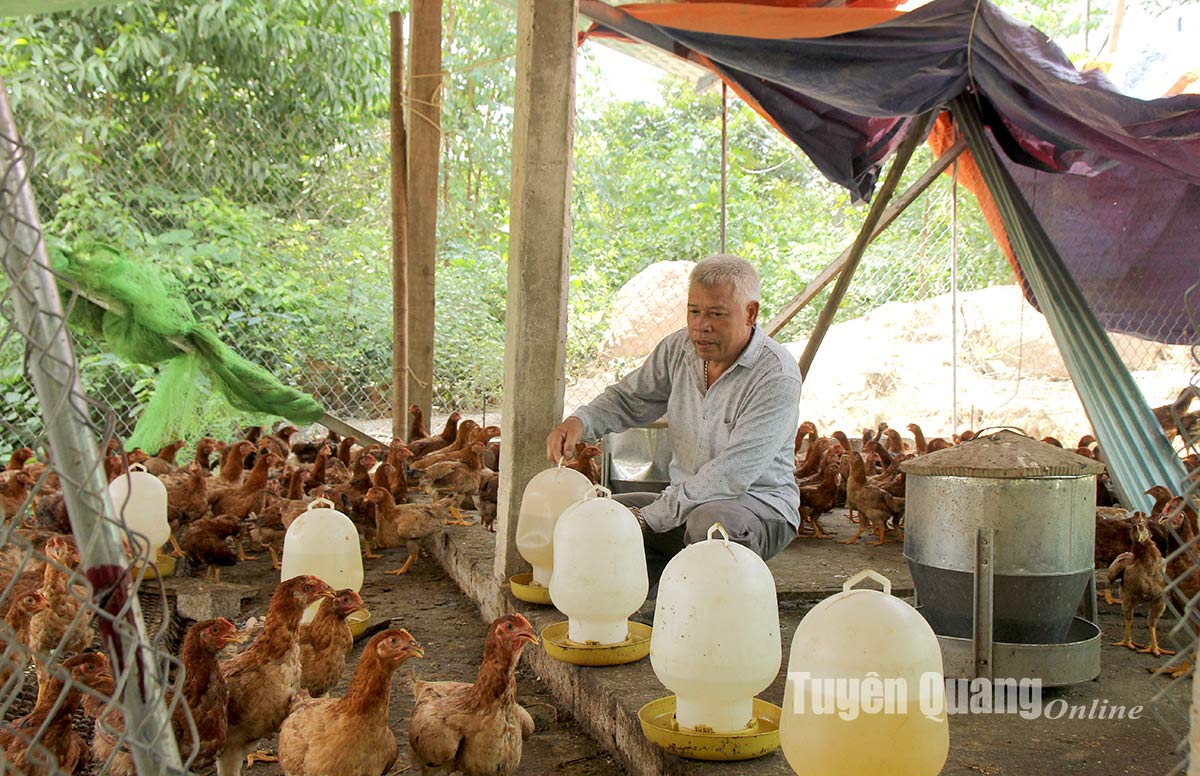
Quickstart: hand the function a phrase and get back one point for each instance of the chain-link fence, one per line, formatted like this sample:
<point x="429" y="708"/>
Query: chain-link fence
<point x="77" y="652"/>
<point x="1183" y="573"/>
<point x="934" y="330"/>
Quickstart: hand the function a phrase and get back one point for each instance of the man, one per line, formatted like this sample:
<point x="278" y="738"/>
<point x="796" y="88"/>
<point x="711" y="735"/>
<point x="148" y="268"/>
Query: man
<point x="731" y="396"/>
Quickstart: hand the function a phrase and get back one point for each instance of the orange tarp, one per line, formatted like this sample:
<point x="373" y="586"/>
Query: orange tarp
<point x="765" y="22"/>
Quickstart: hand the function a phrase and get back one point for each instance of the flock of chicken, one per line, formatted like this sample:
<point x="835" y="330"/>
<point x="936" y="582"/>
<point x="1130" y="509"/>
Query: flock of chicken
<point x="275" y="685"/>
<point x="866" y="479"/>
<point x="256" y="488"/>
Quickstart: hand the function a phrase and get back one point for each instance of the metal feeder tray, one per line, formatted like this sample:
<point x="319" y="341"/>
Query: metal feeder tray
<point x="760" y="738"/>
<point x="635" y="647"/>
<point x="523" y="589"/>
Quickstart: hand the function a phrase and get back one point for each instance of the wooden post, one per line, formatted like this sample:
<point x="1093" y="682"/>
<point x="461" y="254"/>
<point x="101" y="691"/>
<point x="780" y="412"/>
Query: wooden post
<point x="399" y="231"/>
<point x="424" y="154"/>
<point x="539" y="251"/>
<point x="917" y="133"/>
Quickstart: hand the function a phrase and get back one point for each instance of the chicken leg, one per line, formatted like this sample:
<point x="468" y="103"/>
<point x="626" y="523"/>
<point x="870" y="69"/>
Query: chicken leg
<point x="177" y="551"/>
<point x="458" y="518"/>
<point x="862" y="527"/>
<point x="404" y="568"/>
<point x="1156" y="610"/>
<point x="1127" y="610"/>
<point x="367" y="554"/>
<point x="882" y="536"/>
<point x="242" y="552"/>
<point x="261" y="756"/>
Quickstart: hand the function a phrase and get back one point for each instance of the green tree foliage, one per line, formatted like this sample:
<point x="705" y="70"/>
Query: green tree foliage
<point x="242" y="144"/>
<point x="249" y="99"/>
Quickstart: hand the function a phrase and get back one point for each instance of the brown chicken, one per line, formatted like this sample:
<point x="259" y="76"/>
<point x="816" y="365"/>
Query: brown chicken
<point x="204" y="694"/>
<point x="416" y="428"/>
<point x="421" y="447"/>
<point x="489" y="499"/>
<point x="232" y="461"/>
<point x="326" y="642"/>
<point x="349" y="736"/>
<point x="875" y="506"/>
<point x="584" y="461"/>
<point x="206" y="542"/>
<point x="14" y="490"/>
<point x="457" y="478"/>
<point x="1182" y="570"/>
<point x="247" y="497"/>
<point x="466" y="433"/>
<point x="204" y="690"/>
<point x="164" y="461"/>
<point x="406" y="524"/>
<point x="204" y="452"/>
<point x="263" y="679"/>
<point x="50" y="722"/>
<point x="478" y="728"/>
<point x="1143" y="579"/>
<point x="818" y="498"/>
<point x="19" y="615"/>
<point x="16" y="461"/>
<point x="64" y="626"/>
<point x="187" y="500"/>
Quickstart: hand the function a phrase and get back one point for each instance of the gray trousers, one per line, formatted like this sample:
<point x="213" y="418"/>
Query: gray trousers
<point x="748" y="521"/>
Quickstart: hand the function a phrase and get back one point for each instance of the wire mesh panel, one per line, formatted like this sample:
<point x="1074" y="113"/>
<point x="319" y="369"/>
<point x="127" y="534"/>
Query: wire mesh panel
<point x="1183" y="572"/>
<point x="75" y="647"/>
<point x="927" y="334"/>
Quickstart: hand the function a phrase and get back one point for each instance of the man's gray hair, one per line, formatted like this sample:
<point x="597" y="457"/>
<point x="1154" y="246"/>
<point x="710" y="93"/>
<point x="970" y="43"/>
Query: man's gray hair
<point x="722" y="269"/>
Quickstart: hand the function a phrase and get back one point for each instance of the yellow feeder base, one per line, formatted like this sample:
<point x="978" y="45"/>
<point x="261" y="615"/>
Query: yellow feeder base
<point x="358" y="622"/>
<point x="525" y="590"/>
<point x="163" y="566"/>
<point x="635" y="647"/>
<point x="760" y="738"/>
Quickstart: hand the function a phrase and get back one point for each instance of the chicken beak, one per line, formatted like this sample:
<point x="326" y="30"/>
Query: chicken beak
<point x="416" y="650"/>
<point x="528" y="637"/>
<point x="330" y="594"/>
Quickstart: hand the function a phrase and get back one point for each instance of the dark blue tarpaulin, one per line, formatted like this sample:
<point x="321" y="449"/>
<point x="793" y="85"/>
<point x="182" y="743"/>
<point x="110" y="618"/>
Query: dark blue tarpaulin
<point x="1114" y="180"/>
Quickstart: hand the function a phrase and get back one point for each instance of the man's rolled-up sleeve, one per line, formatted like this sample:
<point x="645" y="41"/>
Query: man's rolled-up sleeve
<point x="637" y="399"/>
<point x="760" y="430"/>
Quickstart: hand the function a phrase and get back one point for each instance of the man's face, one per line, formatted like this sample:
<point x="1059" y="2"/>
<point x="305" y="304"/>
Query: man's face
<point x="718" y="325"/>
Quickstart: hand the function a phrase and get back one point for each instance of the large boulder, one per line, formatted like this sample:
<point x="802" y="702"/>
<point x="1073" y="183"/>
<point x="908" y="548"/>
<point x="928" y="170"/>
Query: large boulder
<point x="651" y="305"/>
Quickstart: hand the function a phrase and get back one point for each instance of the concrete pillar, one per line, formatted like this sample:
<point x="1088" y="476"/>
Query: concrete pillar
<point x="538" y="258"/>
<point x="424" y="127"/>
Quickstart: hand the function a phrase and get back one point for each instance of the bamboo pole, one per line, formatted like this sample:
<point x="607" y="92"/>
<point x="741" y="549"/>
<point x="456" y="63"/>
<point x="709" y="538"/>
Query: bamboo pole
<point x="424" y="146"/>
<point x="916" y="136"/>
<point x="399" y="153"/>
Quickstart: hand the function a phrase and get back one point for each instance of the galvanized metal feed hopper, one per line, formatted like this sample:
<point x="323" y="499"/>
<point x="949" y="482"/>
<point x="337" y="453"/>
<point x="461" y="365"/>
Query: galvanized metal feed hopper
<point x="999" y="538"/>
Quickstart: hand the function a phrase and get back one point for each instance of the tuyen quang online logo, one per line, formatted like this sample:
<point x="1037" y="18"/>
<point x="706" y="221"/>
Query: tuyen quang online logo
<point x="852" y="697"/>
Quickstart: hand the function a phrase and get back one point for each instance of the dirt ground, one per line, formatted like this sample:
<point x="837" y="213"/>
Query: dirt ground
<point x="448" y="626"/>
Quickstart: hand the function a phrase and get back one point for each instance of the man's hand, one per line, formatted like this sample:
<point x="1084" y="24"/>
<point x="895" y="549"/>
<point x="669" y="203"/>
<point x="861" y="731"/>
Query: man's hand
<point x="562" y="439"/>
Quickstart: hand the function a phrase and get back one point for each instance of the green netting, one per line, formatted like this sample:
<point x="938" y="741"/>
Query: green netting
<point x="142" y="315"/>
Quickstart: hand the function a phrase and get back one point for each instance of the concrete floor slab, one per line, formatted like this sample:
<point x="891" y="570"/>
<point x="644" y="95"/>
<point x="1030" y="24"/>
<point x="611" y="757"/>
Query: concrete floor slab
<point x="606" y="700"/>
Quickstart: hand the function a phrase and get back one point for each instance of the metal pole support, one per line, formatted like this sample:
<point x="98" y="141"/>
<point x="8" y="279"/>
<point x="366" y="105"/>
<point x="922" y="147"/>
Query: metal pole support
<point x="41" y="322"/>
<point x="982" y="621"/>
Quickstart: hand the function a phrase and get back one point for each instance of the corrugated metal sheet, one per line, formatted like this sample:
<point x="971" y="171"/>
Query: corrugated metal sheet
<point x="1137" y="452"/>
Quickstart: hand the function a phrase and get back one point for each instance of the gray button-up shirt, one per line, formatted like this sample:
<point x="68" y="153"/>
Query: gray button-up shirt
<point x="735" y="437"/>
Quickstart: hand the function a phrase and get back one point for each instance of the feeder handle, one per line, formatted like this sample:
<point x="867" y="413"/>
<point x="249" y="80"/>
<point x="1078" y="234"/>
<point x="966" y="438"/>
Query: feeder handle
<point x="864" y="574"/>
<point x="137" y="467"/>
<point x="712" y="529"/>
<point x="317" y="502"/>
<point x="602" y="491"/>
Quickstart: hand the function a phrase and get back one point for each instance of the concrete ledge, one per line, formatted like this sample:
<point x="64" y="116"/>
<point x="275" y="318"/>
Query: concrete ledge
<point x="605" y="701"/>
